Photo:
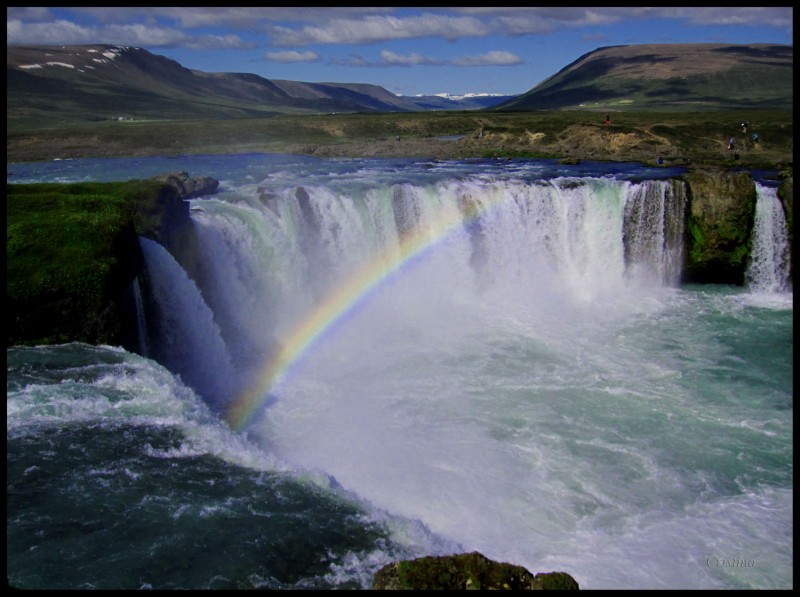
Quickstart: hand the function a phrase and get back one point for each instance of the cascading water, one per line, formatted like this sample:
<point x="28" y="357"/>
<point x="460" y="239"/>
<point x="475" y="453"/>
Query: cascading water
<point x="187" y="339"/>
<point x="406" y="358"/>
<point x="653" y="228"/>
<point x="270" y="257"/>
<point x="769" y="267"/>
<point x="141" y="321"/>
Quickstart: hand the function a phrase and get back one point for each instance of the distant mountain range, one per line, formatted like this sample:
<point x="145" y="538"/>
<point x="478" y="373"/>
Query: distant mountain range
<point x="100" y="82"/>
<point x="470" y="101"/>
<point x="70" y="84"/>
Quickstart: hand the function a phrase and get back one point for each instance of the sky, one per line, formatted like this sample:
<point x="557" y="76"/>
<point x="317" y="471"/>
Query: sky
<point x="406" y="50"/>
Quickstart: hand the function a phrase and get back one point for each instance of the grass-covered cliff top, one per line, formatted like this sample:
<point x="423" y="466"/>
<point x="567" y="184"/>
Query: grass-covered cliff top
<point x="62" y="246"/>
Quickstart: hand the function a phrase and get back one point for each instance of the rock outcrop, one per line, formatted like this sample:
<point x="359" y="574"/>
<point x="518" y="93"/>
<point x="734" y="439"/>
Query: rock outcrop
<point x="468" y="571"/>
<point x="719" y="225"/>
<point x="786" y="194"/>
<point x="164" y="218"/>
<point x="186" y="187"/>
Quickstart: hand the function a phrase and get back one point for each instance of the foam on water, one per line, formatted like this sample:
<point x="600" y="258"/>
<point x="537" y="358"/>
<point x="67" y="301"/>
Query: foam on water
<point x="533" y="384"/>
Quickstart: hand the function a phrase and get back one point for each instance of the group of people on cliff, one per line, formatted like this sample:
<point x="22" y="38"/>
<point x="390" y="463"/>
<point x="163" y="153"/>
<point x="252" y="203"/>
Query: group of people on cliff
<point x="754" y="137"/>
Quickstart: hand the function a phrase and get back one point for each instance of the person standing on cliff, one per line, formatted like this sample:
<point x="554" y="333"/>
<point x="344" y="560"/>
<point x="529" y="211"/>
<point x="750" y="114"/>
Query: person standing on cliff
<point x="608" y="119"/>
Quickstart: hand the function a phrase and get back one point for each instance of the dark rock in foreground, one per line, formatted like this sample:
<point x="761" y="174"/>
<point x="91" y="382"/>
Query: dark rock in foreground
<point x="468" y="571"/>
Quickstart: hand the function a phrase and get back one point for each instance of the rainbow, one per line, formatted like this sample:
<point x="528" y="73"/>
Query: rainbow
<point x="343" y="301"/>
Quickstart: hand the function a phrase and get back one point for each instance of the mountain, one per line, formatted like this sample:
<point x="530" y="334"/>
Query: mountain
<point x="668" y="76"/>
<point x="48" y="85"/>
<point x="470" y="101"/>
<point x="101" y="82"/>
<point x="57" y="84"/>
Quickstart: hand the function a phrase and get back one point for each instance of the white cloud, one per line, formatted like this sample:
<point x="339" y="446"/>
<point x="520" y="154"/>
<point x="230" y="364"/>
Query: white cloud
<point x="291" y="56"/>
<point x="559" y="17"/>
<point x="31" y="13"/>
<point x="137" y="34"/>
<point x="494" y="58"/>
<point x="218" y="42"/>
<point x="414" y="59"/>
<point x="302" y="26"/>
<point x="777" y="16"/>
<point x="455" y="23"/>
<point x="352" y="60"/>
<point x="371" y="29"/>
<point x="63" y="32"/>
<point x="387" y="58"/>
<point x="530" y="19"/>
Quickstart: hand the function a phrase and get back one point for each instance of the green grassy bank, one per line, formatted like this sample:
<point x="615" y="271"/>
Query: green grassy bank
<point x="71" y="249"/>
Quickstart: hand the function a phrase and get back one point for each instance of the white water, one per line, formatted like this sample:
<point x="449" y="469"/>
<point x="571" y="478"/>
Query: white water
<point x="265" y="267"/>
<point x="528" y="388"/>
<point x="769" y="267"/>
<point x="187" y="337"/>
<point x="141" y="319"/>
<point x="536" y="386"/>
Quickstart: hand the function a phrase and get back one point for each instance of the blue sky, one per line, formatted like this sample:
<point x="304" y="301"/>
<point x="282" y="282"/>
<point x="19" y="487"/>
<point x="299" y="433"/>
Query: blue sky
<point x="406" y="50"/>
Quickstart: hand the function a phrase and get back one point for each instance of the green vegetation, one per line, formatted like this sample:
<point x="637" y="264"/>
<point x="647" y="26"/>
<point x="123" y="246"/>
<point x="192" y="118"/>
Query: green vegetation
<point x="680" y="102"/>
<point x="679" y="137"/>
<point x="64" y="245"/>
<point x="71" y="228"/>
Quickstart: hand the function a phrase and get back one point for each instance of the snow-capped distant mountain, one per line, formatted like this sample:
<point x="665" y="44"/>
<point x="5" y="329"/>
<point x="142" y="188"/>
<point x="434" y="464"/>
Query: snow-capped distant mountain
<point x="467" y="101"/>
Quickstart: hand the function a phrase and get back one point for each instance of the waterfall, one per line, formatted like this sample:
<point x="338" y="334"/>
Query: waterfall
<point x="268" y="263"/>
<point x="654" y="227"/>
<point x="769" y="266"/>
<point x="270" y="259"/>
<point x="141" y="320"/>
<point x="187" y="339"/>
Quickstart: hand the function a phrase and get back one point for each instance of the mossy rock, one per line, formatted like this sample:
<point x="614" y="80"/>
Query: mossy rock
<point x="469" y="571"/>
<point x="719" y="225"/>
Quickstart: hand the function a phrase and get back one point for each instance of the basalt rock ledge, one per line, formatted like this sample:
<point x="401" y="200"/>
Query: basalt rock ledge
<point x="466" y="571"/>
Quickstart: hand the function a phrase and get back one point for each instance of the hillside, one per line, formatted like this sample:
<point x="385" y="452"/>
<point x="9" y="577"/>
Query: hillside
<point x="668" y="77"/>
<point x="55" y="85"/>
<point x="65" y="84"/>
<point x="92" y="101"/>
<point x="50" y="86"/>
